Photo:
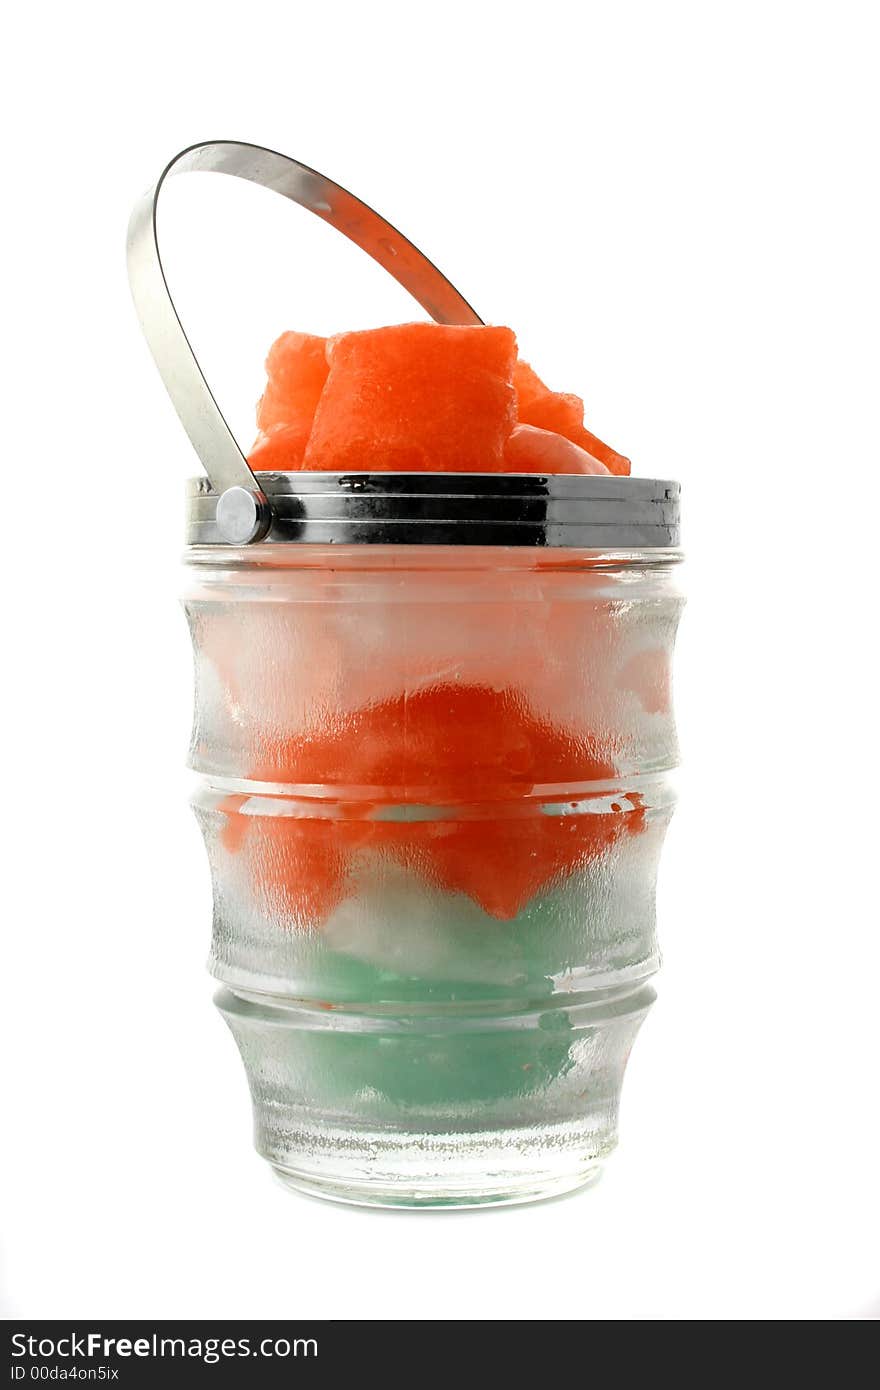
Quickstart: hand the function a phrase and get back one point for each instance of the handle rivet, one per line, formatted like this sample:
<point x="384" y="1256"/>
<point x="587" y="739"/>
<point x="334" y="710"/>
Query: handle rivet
<point x="243" y="516"/>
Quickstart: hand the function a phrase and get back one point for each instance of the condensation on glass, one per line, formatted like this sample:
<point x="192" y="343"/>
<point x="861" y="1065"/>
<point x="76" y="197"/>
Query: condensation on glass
<point x="434" y="787"/>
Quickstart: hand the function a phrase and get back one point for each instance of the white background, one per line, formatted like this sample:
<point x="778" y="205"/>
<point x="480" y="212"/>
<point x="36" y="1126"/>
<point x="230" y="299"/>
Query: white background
<point x="674" y="205"/>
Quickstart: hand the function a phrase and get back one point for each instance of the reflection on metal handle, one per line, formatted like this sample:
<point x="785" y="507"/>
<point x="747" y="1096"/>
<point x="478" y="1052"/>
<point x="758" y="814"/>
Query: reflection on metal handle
<point x="249" y="518"/>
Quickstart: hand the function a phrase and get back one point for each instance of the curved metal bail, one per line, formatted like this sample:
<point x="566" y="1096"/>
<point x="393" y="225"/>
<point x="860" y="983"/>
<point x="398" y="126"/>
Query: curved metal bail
<point x="245" y="508"/>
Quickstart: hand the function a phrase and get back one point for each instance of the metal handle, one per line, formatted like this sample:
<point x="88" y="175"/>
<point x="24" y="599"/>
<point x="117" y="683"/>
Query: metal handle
<point x="243" y="512"/>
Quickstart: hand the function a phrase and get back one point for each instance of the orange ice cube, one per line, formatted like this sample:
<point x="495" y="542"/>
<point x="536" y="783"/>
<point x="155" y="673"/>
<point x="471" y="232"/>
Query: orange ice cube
<point x="281" y="450"/>
<point x="448" y="741"/>
<point x="455" y="745"/>
<point x="502" y="863"/>
<point x="296" y="369"/>
<point x="531" y="450"/>
<point x="562" y="413"/>
<point x="298" y="865"/>
<point x="416" y="396"/>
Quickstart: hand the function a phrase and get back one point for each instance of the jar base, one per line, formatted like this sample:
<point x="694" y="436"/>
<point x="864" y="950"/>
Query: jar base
<point x="426" y="1198"/>
<point x="482" y="1168"/>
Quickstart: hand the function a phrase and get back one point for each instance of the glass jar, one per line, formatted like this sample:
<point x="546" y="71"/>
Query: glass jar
<point x="435" y="782"/>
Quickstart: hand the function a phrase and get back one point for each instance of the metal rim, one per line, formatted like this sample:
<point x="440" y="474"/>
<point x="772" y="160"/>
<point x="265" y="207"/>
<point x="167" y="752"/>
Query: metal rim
<point x="580" y="512"/>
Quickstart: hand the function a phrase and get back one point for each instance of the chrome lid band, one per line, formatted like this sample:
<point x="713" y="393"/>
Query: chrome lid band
<point x="454" y="509"/>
